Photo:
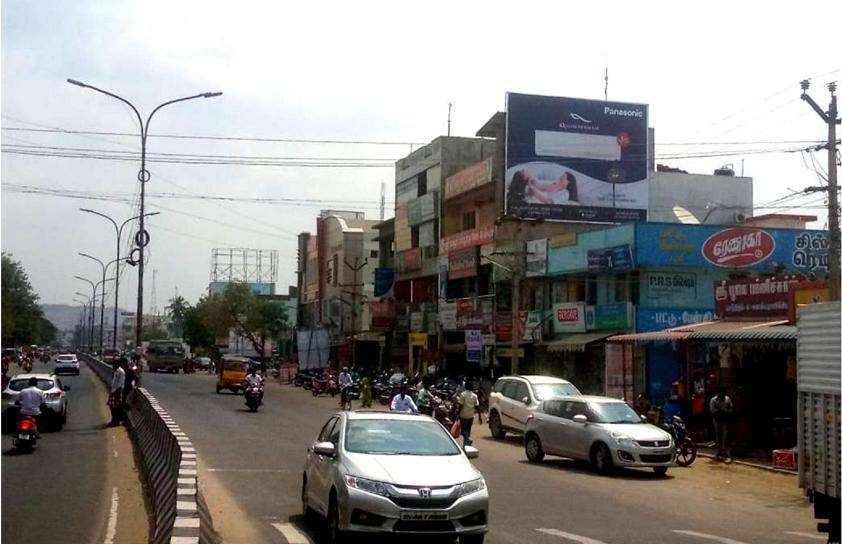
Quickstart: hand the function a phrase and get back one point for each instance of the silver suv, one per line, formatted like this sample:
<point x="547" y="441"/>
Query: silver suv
<point x="513" y="398"/>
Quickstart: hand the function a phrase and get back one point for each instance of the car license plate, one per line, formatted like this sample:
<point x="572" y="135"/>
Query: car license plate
<point x="414" y="515"/>
<point x="23" y="437"/>
<point x="661" y="452"/>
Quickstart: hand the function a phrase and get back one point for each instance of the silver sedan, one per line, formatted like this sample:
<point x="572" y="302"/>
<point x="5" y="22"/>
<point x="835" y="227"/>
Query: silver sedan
<point x="602" y="430"/>
<point x="387" y="472"/>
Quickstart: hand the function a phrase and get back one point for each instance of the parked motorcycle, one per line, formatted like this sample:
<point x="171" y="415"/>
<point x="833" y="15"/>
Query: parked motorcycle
<point x="685" y="449"/>
<point x="327" y="386"/>
<point x="26" y="434"/>
<point x="254" y="396"/>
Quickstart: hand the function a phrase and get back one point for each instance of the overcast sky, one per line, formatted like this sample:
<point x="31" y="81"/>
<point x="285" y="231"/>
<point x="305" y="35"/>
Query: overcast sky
<point x="711" y="72"/>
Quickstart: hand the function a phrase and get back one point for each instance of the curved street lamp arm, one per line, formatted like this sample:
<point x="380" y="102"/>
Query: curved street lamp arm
<point x="87" y="280"/>
<point x="112" y="95"/>
<point x="101" y="215"/>
<point x="95" y="259"/>
<point x="201" y="95"/>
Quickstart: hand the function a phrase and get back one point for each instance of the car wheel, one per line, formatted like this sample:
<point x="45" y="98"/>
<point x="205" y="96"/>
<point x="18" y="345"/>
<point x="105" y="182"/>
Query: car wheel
<point x="601" y="459"/>
<point x="660" y="471"/>
<point x="471" y="539"/>
<point x="335" y="534"/>
<point x="534" y="451"/>
<point x="495" y="425"/>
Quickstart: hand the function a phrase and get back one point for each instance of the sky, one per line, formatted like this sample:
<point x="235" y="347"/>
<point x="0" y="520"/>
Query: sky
<point x="719" y="77"/>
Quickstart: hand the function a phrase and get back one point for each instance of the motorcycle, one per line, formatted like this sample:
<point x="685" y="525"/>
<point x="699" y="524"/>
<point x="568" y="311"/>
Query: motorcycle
<point x="328" y="386"/>
<point x="26" y="434"/>
<point x="685" y="449"/>
<point x="442" y="411"/>
<point x="254" y="396"/>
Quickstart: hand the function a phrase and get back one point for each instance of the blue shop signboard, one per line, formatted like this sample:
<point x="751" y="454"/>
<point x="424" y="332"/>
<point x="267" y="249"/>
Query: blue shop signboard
<point x="657" y="319"/>
<point x="617" y="258"/>
<point x="731" y="247"/>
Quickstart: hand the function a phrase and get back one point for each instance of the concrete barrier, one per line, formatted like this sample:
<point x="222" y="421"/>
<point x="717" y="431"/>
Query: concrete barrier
<point x="180" y="514"/>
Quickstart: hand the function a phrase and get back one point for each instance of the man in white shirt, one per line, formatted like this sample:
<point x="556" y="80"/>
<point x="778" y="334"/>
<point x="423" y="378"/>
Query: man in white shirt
<point x="31" y="399"/>
<point x="403" y="402"/>
<point x="468" y="402"/>
<point x="115" y="397"/>
<point x="344" y="381"/>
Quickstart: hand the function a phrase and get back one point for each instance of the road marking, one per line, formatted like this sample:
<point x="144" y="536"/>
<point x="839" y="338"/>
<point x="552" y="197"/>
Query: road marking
<point x="184" y="540"/>
<point x="246" y="470"/>
<point x="807" y="535"/>
<point x="192" y="523"/>
<point x="111" y="529"/>
<point x="570" y="536"/>
<point x="706" y="536"/>
<point x="291" y="533"/>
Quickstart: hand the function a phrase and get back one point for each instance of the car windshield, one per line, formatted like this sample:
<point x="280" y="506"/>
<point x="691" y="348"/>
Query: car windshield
<point x="544" y="391"/>
<point x="238" y="366"/>
<point x="615" y="412"/>
<point x="20" y="385"/>
<point x="67" y="358"/>
<point x="398" y="437"/>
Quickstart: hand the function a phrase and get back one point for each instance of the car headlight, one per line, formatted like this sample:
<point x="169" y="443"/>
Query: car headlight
<point x="622" y="439"/>
<point x="470" y="487"/>
<point x="369" y="486"/>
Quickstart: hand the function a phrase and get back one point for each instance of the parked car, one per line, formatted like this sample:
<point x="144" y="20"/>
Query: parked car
<point x="605" y="431"/>
<point x="388" y="472"/>
<point x="54" y="390"/>
<point x="202" y="363"/>
<point x="513" y="398"/>
<point x="67" y="363"/>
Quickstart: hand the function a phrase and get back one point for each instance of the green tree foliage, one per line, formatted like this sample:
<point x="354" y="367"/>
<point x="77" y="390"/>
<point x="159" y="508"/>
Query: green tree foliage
<point x="23" y="320"/>
<point x="194" y="330"/>
<point x="154" y="331"/>
<point x="177" y="311"/>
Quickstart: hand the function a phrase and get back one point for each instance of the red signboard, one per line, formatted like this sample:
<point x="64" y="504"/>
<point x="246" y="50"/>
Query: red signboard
<point x="468" y="179"/>
<point x="754" y="297"/>
<point x="462" y="264"/>
<point x="738" y="247"/>
<point x="409" y="260"/>
<point x="381" y="313"/>
<point x="469" y="238"/>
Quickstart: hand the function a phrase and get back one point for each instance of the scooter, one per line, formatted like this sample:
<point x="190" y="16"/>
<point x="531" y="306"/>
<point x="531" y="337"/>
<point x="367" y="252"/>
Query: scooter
<point x="26" y="434"/>
<point x="319" y="386"/>
<point x="685" y="449"/>
<point x="254" y="396"/>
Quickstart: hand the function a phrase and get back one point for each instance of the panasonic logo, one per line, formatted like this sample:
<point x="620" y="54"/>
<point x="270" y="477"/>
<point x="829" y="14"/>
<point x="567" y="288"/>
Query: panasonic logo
<point x="623" y="113"/>
<point x="578" y="117"/>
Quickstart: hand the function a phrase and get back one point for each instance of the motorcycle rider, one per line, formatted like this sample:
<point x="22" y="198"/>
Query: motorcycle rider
<point x="31" y="399"/>
<point x="253" y="379"/>
<point x="403" y="402"/>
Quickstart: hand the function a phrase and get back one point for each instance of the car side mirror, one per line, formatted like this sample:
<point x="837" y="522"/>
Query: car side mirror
<point x="643" y="418"/>
<point x="525" y="400"/>
<point x="325" y="448"/>
<point x="579" y="418"/>
<point x="65" y="388"/>
<point x="471" y="452"/>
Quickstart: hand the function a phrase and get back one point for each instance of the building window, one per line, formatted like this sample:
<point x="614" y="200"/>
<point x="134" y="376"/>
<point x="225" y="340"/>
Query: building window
<point x="373" y="254"/>
<point x="422" y="183"/>
<point x="469" y="220"/>
<point x="414" y="236"/>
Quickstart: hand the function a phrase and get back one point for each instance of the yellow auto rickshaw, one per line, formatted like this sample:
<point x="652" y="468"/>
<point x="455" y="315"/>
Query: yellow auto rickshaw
<point x="231" y="373"/>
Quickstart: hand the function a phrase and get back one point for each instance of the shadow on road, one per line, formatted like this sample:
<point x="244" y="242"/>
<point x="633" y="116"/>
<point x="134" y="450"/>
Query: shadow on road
<point x="583" y="467"/>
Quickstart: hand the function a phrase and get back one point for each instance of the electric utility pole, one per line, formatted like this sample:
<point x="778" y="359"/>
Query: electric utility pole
<point x="355" y="287"/>
<point x="830" y="117"/>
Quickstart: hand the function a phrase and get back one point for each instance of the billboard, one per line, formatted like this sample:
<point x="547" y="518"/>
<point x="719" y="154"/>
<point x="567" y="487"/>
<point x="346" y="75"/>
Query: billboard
<point x="571" y="159"/>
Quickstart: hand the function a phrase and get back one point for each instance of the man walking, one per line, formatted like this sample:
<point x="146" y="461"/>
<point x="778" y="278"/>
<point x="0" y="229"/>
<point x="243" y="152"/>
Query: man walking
<point x="115" y="396"/>
<point x="468" y="402"/>
<point x="721" y="408"/>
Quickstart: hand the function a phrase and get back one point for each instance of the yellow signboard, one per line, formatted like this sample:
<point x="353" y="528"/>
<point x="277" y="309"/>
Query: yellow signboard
<point x="418" y="339"/>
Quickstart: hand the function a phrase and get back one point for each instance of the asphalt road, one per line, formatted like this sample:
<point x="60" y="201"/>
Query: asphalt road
<point x="80" y="484"/>
<point x="250" y="468"/>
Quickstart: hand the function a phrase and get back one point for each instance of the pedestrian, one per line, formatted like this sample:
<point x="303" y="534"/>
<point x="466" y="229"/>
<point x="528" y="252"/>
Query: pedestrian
<point x="115" y="396"/>
<point x="423" y="398"/>
<point x="722" y="409"/>
<point x="366" y="392"/>
<point x="130" y="381"/>
<point x="468" y="403"/>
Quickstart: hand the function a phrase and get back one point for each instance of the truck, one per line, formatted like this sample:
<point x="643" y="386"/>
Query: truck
<point x="818" y="365"/>
<point x="165" y="355"/>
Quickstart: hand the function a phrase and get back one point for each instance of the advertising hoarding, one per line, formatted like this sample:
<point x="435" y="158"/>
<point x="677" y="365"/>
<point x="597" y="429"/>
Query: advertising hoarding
<point x="657" y="319"/>
<point x="384" y="281"/>
<point x="617" y="258"/>
<point x="470" y="178"/>
<point x="571" y="159"/>
<point x="668" y="287"/>
<point x="403" y="234"/>
<point x="754" y="297"/>
<point x="609" y="317"/>
<point x="569" y="317"/>
<point x="462" y="263"/>
<point x="473" y="345"/>
<point x="467" y="238"/>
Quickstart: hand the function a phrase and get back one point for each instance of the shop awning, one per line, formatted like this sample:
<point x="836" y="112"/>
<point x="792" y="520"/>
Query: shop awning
<point x="716" y="330"/>
<point x="576" y="342"/>
<point x="654" y="336"/>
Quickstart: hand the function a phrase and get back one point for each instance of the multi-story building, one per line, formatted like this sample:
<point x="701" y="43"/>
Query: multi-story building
<point x="336" y="274"/>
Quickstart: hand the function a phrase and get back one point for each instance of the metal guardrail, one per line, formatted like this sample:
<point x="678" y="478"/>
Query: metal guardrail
<point x="180" y="514"/>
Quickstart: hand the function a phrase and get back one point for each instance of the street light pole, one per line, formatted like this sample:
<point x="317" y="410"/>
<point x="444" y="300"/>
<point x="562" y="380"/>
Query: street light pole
<point x="82" y="319"/>
<point x="142" y="237"/>
<point x="119" y="230"/>
<point x="94" y="287"/>
<point x="102" y="299"/>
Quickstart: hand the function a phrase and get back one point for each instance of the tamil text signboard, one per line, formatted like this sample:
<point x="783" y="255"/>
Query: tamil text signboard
<point x="466" y="180"/>
<point x="569" y="317"/>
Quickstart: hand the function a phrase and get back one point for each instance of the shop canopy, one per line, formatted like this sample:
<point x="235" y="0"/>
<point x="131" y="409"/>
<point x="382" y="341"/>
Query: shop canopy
<point x="576" y="342"/>
<point x="716" y="330"/>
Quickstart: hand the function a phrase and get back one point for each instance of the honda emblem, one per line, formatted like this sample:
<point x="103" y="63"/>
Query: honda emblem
<point x="424" y="492"/>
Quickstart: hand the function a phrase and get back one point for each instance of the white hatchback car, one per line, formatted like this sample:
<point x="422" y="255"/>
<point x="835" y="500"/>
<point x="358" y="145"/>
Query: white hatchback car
<point x="55" y="394"/>
<point x="602" y="430"/>
<point x="394" y="473"/>
<point x="67" y="363"/>
<point x="513" y="398"/>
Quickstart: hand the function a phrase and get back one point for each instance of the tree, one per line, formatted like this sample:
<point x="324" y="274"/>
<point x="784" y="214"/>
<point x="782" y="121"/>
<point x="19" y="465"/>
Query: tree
<point x="23" y="321"/>
<point x="177" y="311"/>
<point x="195" y="332"/>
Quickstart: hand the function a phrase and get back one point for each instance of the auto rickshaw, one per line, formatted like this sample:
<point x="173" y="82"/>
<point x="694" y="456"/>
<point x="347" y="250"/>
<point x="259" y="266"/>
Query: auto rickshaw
<point x="231" y="373"/>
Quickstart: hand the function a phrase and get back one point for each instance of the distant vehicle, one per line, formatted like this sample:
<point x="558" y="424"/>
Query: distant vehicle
<point x="67" y="363"/>
<point x="513" y="398"/>
<point x="55" y="392"/>
<point x="165" y="355"/>
<point x="110" y="355"/>
<point x="388" y="472"/>
<point x="602" y="430"/>
<point x="202" y="362"/>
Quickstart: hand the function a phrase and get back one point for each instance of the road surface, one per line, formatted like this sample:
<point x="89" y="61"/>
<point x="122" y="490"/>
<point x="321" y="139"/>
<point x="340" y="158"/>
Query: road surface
<point x="80" y="484"/>
<point x="250" y="468"/>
